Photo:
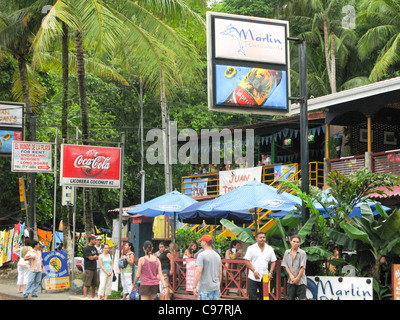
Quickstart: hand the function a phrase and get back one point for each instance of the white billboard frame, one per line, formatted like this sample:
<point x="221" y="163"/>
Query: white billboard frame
<point x="223" y="54"/>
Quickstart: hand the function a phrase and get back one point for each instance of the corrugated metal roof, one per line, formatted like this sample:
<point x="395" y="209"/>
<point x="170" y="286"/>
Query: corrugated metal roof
<point x="346" y="96"/>
<point x="389" y="194"/>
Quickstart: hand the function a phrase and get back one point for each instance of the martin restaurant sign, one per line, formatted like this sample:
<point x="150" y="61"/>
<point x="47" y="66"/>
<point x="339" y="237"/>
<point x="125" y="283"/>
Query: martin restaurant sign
<point x="90" y="166"/>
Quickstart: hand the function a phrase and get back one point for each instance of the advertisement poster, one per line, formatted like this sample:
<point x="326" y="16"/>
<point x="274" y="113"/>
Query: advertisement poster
<point x="196" y="187"/>
<point x="90" y="166"/>
<point x="232" y="179"/>
<point x="251" y="87"/>
<point x="283" y="171"/>
<point x="190" y="271"/>
<point x="56" y="270"/>
<point x="31" y="157"/>
<point x="6" y="140"/>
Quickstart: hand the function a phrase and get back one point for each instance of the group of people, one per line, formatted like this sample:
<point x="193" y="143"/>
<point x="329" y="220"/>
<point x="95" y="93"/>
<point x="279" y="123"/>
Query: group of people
<point x="154" y="269"/>
<point x="240" y="163"/>
<point x="260" y="260"/>
<point x="29" y="267"/>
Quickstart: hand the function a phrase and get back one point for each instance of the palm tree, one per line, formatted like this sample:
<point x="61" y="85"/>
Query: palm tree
<point x="161" y="53"/>
<point x="383" y="37"/>
<point x="319" y="23"/>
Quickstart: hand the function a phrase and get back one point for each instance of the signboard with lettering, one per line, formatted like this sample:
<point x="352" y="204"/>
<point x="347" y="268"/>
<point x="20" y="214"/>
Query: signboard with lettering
<point x="56" y="270"/>
<point x="339" y="288"/>
<point x="31" y="156"/>
<point x="248" y="64"/>
<point x="232" y="179"/>
<point x="190" y="271"/>
<point x="90" y="166"/>
<point x="11" y="114"/>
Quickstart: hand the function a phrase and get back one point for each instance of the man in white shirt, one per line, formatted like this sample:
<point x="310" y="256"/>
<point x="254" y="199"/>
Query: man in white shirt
<point x="257" y="258"/>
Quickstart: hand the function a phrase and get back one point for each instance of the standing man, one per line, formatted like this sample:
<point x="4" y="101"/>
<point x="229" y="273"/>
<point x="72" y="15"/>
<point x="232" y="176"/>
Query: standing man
<point x="294" y="261"/>
<point x="34" y="256"/>
<point x="208" y="275"/>
<point x="90" y="257"/>
<point x="257" y="258"/>
<point x="99" y="249"/>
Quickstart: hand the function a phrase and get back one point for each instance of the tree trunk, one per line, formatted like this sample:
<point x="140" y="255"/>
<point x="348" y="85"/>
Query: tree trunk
<point x="330" y="65"/>
<point x="164" y="115"/>
<point x="31" y="134"/>
<point x="66" y="210"/>
<point x="80" y="70"/>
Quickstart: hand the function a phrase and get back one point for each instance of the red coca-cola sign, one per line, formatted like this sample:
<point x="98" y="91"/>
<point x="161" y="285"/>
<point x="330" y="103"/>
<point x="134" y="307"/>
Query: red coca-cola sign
<point x="90" y="166"/>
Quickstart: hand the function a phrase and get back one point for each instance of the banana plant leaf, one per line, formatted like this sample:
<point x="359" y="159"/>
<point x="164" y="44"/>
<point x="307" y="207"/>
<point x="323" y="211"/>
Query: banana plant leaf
<point x="317" y="253"/>
<point x="389" y="227"/>
<point x="242" y="234"/>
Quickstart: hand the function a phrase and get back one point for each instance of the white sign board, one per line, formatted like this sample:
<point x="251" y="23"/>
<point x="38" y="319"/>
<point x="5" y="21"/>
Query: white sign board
<point x="11" y="115"/>
<point x="251" y="41"/>
<point x="68" y="196"/>
<point x="232" y="179"/>
<point x="31" y="156"/>
<point x="339" y="288"/>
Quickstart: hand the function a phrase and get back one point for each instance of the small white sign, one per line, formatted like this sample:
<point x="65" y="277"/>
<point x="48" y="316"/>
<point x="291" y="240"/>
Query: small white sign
<point x="251" y="41"/>
<point x="339" y="288"/>
<point x="11" y="115"/>
<point x="68" y="196"/>
<point x="31" y="156"/>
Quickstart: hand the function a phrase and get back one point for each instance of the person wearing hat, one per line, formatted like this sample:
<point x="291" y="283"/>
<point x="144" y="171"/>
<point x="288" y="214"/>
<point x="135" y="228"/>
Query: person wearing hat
<point x="208" y="275"/>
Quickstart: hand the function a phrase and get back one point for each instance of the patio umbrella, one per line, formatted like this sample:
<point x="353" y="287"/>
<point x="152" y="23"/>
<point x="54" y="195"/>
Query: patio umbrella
<point x="204" y="211"/>
<point x="255" y="195"/>
<point x="168" y="204"/>
<point x="356" y="212"/>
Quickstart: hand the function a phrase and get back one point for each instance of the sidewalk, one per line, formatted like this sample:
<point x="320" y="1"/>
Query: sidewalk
<point x="8" y="291"/>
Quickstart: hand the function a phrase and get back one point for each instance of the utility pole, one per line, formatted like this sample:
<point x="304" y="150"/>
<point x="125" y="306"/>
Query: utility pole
<point x="302" y="100"/>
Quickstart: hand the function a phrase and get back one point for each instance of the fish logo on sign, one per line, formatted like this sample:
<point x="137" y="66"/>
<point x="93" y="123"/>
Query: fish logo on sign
<point x="233" y="32"/>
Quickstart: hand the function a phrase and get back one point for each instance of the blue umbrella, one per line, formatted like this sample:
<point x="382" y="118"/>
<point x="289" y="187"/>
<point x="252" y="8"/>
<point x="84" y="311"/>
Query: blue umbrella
<point x="356" y="212"/>
<point x="251" y="196"/>
<point x="167" y="204"/>
<point x="204" y="211"/>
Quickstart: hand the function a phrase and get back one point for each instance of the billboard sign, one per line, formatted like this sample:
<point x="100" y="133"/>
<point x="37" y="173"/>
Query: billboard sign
<point x="28" y="156"/>
<point x="11" y="115"/>
<point x="6" y="140"/>
<point x="90" y="166"/>
<point x="248" y="64"/>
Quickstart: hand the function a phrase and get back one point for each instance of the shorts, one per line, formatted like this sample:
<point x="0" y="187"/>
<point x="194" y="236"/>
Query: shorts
<point x="148" y="290"/>
<point x="294" y="290"/>
<point x="90" y="279"/>
<point x="208" y="295"/>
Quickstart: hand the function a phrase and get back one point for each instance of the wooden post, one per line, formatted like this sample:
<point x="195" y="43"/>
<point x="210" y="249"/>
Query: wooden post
<point x="369" y="130"/>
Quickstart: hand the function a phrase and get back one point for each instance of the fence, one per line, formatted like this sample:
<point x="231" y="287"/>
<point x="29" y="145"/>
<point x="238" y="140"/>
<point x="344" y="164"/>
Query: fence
<point x="234" y="283"/>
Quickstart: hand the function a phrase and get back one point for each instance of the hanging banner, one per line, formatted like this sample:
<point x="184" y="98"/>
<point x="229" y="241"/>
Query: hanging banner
<point x="56" y="270"/>
<point x="31" y="157"/>
<point x="232" y="179"/>
<point x="190" y="271"/>
<point x="90" y="166"/>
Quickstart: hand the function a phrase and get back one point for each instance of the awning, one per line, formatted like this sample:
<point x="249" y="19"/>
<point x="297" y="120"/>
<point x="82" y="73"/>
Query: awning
<point x="389" y="194"/>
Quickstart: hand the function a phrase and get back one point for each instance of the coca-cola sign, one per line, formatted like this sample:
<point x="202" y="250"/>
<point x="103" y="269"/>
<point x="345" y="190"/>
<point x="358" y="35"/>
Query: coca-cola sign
<point x="90" y="166"/>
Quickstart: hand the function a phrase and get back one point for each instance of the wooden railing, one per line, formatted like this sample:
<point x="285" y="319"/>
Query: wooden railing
<point x="381" y="162"/>
<point x="234" y="283"/>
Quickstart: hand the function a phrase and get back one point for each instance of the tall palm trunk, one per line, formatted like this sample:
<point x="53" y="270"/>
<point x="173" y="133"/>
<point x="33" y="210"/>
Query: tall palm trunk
<point x="80" y="70"/>
<point x="330" y="66"/>
<point x="66" y="210"/>
<point x="31" y="134"/>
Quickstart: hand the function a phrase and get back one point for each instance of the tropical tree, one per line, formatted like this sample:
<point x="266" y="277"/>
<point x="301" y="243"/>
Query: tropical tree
<point x="382" y="37"/>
